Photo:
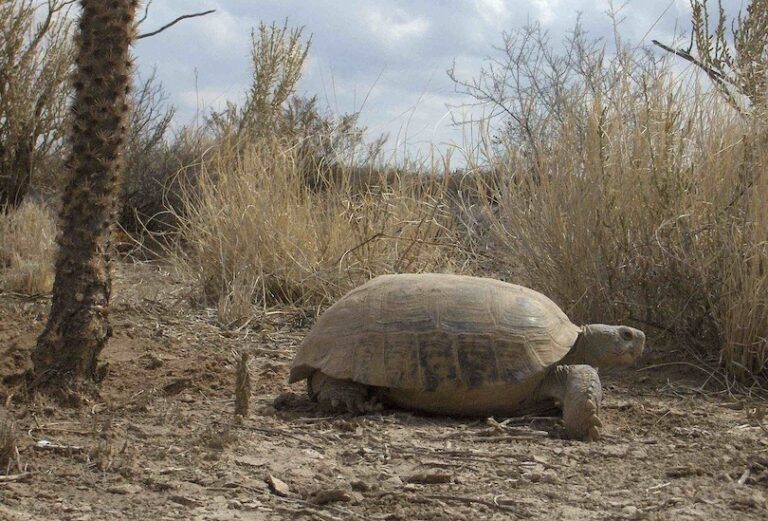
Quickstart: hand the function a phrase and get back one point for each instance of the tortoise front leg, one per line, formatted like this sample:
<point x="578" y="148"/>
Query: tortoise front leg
<point x="342" y="395"/>
<point x="577" y="390"/>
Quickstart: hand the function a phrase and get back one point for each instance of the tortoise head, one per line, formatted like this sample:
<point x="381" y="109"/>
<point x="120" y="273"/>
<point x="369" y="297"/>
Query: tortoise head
<point x="605" y="346"/>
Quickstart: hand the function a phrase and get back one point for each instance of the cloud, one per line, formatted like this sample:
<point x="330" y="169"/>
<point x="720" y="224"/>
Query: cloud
<point x="395" y="52"/>
<point x="397" y="28"/>
<point x="494" y="13"/>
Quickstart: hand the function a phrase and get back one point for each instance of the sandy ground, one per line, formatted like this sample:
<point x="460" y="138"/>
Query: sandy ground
<point x="162" y="442"/>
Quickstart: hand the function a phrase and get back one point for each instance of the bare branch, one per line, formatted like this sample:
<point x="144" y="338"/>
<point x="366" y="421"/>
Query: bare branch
<point x="42" y="29"/>
<point x="719" y="78"/>
<point x="170" y="24"/>
<point x="686" y="55"/>
<point x="146" y="13"/>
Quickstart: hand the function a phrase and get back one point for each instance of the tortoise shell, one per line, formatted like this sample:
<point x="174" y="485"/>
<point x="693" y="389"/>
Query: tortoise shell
<point x="436" y="332"/>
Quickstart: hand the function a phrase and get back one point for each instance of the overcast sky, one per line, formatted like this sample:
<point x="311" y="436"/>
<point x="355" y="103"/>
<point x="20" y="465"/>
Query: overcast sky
<point x="393" y="52"/>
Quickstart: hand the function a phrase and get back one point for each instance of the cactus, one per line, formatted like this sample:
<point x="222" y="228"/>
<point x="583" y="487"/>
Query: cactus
<point x="78" y="325"/>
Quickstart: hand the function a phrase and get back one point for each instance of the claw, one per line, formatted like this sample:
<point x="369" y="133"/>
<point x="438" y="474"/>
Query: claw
<point x="594" y="434"/>
<point x="596" y="421"/>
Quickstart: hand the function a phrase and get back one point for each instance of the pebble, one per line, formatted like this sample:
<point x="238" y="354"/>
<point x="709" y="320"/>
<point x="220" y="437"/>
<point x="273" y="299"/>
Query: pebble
<point x="278" y="486"/>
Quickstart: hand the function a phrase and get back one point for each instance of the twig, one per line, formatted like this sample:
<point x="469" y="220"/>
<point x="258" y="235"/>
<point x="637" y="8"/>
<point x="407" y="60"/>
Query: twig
<point x="366" y="241"/>
<point x="718" y="77"/>
<point x="715" y="75"/>
<point x="276" y="432"/>
<point x="47" y="445"/>
<point x="744" y="477"/>
<point x="306" y="511"/>
<point x="659" y="486"/>
<point x="171" y="24"/>
<point x="15" y="477"/>
<point x="313" y="509"/>
<point x="146" y="13"/>
<point x="710" y="373"/>
<point x="472" y="500"/>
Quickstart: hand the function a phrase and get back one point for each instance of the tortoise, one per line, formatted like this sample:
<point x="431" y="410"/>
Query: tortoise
<point x="460" y="346"/>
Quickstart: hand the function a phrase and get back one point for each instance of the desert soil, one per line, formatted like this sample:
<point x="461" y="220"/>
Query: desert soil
<point x="161" y="442"/>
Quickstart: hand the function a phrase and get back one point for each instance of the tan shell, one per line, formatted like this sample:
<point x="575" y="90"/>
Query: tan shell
<point x="436" y="332"/>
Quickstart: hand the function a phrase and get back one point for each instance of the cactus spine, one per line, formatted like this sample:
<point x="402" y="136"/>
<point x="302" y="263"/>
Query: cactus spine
<point x="78" y="325"/>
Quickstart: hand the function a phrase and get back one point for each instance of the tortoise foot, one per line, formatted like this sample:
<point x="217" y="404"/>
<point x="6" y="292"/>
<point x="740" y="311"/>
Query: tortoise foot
<point x="581" y="403"/>
<point x="342" y="395"/>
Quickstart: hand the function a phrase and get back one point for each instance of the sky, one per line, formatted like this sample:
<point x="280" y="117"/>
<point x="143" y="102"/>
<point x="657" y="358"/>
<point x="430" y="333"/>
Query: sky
<point x="386" y="58"/>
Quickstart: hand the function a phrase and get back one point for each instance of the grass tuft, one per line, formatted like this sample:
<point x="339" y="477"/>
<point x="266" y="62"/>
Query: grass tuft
<point x="27" y="249"/>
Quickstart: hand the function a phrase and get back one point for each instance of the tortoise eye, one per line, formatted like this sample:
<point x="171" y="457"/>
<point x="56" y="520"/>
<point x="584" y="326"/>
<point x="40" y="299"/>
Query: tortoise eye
<point x="626" y="334"/>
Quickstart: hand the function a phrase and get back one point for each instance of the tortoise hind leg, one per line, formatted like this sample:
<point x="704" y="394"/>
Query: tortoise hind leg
<point x="578" y="390"/>
<point x="342" y="395"/>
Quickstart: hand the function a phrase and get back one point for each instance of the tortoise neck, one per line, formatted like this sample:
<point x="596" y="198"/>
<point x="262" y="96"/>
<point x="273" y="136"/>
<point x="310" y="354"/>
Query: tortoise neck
<point x="580" y="350"/>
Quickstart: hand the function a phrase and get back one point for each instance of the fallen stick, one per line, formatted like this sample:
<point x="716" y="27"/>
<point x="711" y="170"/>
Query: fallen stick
<point x="15" y="477"/>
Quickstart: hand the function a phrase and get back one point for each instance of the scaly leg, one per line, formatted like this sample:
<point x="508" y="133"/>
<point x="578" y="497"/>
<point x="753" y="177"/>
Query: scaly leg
<point x="342" y="395"/>
<point x="577" y="390"/>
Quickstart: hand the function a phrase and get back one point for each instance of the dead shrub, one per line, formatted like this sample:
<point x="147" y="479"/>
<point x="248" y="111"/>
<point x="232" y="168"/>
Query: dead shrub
<point x="36" y="58"/>
<point x="27" y="249"/>
<point x="632" y="193"/>
<point x="255" y="233"/>
<point x="279" y="212"/>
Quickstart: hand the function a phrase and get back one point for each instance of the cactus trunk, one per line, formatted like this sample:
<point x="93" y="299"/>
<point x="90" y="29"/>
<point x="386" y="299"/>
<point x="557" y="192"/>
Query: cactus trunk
<point x="78" y="325"/>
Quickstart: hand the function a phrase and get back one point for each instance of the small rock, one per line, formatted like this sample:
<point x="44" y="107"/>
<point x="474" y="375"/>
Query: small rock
<point x="250" y="461"/>
<point x="312" y="453"/>
<point x="533" y="476"/>
<point x="265" y="410"/>
<point x="125" y="489"/>
<point x="186" y="501"/>
<point x="394" y="481"/>
<point x="176" y="386"/>
<point x="638" y="454"/>
<point x="630" y="511"/>
<point x="615" y="451"/>
<point x="550" y="476"/>
<point x="152" y="361"/>
<point x="333" y="495"/>
<point x="429" y="478"/>
<point x="361" y="486"/>
<point x="254" y="504"/>
<point x="278" y="486"/>
<point x="683" y="471"/>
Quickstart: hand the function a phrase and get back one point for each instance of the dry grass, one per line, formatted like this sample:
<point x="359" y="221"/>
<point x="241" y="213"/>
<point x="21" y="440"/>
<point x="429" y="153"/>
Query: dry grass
<point x="744" y="308"/>
<point x="8" y="443"/>
<point x="255" y="233"/>
<point x="27" y="248"/>
<point x="642" y="200"/>
<point x="646" y="207"/>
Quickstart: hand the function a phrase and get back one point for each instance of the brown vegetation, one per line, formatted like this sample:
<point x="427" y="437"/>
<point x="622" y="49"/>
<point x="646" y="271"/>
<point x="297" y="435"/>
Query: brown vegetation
<point x="623" y="189"/>
<point x="620" y="187"/>
<point x="35" y="62"/>
<point x="632" y="193"/>
<point x="27" y="239"/>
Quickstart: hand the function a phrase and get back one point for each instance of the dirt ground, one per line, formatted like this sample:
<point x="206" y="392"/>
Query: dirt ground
<point x="162" y="442"/>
